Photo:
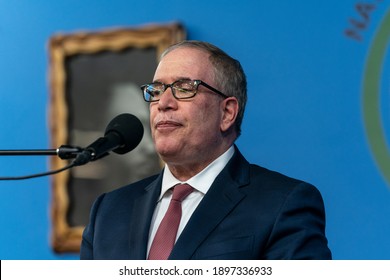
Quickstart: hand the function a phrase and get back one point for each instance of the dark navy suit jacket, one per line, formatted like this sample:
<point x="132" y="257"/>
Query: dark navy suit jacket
<point x="249" y="212"/>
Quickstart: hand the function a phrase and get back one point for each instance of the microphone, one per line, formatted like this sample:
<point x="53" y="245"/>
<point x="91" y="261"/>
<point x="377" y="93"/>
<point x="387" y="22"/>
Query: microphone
<point x="122" y="135"/>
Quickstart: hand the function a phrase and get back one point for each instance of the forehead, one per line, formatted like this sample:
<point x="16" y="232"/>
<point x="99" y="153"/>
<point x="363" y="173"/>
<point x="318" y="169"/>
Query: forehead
<point x="184" y="62"/>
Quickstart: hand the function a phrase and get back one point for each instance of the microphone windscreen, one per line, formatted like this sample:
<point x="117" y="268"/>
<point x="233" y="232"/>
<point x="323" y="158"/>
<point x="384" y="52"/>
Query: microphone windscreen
<point x="129" y="128"/>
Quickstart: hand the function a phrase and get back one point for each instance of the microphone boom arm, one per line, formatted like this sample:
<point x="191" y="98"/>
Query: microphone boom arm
<point x="64" y="152"/>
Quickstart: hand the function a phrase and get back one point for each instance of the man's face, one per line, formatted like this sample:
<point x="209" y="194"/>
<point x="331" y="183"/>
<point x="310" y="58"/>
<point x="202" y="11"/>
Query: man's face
<point x="186" y="131"/>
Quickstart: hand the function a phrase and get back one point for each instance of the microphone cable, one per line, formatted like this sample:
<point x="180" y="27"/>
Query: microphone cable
<point x="38" y="174"/>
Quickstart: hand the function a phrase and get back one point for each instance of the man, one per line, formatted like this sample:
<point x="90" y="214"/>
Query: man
<point x="231" y="209"/>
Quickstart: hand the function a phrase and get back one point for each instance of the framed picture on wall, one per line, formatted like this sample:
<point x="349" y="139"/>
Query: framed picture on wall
<point x="95" y="76"/>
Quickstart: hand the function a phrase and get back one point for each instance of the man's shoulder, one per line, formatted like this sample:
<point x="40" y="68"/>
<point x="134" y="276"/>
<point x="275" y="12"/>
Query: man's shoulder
<point x="266" y="180"/>
<point x="246" y="171"/>
<point x="262" y="173"/>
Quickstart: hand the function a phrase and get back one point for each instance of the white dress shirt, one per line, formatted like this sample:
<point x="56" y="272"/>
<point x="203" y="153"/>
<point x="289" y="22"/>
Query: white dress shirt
<point x="201" y="183"/>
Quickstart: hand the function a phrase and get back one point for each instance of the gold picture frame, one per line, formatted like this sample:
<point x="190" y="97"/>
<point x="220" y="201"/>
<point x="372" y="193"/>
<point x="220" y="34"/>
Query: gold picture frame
<point x="88" y="73"/>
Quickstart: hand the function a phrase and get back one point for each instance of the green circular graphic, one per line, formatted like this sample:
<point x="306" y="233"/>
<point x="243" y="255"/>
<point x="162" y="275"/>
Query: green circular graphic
<point x="371" y="97"/>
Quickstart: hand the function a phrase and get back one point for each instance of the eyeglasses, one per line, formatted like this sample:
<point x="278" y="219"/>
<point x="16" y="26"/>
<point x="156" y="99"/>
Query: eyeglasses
<point x="181" y="89"/>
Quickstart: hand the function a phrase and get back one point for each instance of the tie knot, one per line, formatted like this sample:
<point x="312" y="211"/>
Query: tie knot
<point x="181" y="191"/>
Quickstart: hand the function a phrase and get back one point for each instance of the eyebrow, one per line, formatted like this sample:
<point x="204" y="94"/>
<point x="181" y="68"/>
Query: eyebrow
<point x="176" y="79"/>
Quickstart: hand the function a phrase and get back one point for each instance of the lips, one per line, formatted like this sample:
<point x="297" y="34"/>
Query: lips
<point x="167" y="125"/>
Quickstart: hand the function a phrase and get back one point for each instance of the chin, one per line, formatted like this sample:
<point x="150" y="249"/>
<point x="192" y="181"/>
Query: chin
<point x="166" y="151"/>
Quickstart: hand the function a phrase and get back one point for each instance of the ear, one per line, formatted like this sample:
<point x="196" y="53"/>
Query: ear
<point x="229" y="108"/>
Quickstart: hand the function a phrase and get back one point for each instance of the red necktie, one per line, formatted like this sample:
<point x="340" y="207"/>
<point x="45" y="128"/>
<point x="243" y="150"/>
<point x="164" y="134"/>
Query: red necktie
<point x="166" y="233"/>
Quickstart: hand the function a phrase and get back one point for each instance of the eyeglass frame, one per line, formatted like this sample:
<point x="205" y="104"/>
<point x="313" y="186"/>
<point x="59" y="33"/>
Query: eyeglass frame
<point x="166" y="86"/>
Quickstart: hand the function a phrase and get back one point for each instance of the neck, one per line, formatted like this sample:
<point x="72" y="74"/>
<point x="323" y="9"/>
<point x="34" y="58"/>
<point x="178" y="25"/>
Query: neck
<point x="185" y="171"/>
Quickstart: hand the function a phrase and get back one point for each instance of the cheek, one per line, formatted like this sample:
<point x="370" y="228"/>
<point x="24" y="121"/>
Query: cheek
<point x="207" y="120"/>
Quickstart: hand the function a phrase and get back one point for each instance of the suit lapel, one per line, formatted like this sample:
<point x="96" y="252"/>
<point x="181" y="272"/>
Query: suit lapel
<point x="142" y="213"/>
<point x="222" y="197"/>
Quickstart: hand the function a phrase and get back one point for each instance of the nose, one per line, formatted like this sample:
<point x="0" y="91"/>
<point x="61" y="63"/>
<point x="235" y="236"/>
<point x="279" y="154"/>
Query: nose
<point x="167" y="100"/>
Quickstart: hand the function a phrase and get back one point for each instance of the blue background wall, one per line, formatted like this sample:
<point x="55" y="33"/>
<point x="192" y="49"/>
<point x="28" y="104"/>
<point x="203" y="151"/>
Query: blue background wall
<point x="304" y="116"/>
